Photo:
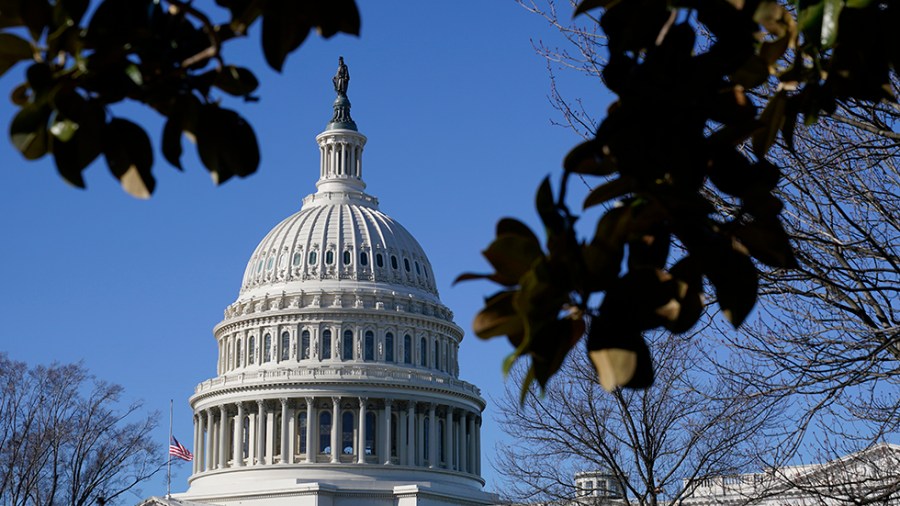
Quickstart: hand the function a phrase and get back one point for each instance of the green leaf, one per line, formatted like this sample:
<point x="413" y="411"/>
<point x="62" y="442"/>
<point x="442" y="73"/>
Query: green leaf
<point x="284" y="28"/>
<point x="499" y="318"/>
<point x="10" y="13"/>
<point x="587" y="5"/>
<point x="767" y="242"/>
<point x="36" y="16"/>
<point x="772" y="120"/>
<point x="130" y="157"/>
<point x="19" y="95"/>
<point x="830" y="15"/>
<point x="512" y="256"/>
<point x="63" y="129"/>
<point x="618" y="187"/>
<point x="547" y="210"/>
<point x="13" y="49"/>
<point x="621" y="357"/>
<point x="734" y="277"/>
<point x="28" y="130"/>
<point x="226" y="143"/>
<point x="236" y="81"/>
<point x="74" y="155"/>
<point x="585" y="159"/>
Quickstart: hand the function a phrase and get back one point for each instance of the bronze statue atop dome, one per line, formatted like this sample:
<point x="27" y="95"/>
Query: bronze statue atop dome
<point x="342" y="78"/>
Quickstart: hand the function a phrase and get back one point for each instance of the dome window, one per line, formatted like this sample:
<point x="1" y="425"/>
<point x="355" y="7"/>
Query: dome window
<point x="267" y="348"/>
<point x="379" y="260"/>
<point x="298" y="257"/>
<point x="347" y="345"/>
<point x="437" y="355"/>
<point x="369" y="346"/>
<point x="394" y="262"/>
<point x="423" y="353"/>
<point x="251" y="350"/>
<point x="312" y="258"/>
<point x="346" y="257"/>
<point x="363" y="258"/>
<point x="389" y="347"/>
<point x="407" y="349"/>
<point x="259" y="266"/>
<point x="285" y="345"/>
<point x="304" y="345"/>
<point x="326" y="344"/>
<point x="406" y="264"/>
<point x="418" y="271"/>
<point x="270" y="263"/>
<point x="329" y="257"/>
<point x="240" y="358"/>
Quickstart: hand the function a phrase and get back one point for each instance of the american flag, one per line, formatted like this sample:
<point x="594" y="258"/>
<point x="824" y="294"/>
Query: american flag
<point x="177" y="449"/>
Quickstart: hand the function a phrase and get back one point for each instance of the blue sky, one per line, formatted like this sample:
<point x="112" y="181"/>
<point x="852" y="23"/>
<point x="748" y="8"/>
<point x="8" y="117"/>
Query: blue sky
<point x="454" y="102"/>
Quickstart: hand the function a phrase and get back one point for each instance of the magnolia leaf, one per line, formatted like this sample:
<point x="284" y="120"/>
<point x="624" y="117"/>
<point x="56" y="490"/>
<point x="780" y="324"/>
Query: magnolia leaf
<point x="772" y="120"/>
<point x="512" y="256"/>
<point x="768" y="242"/>
<point x="587" y="5"/>
<point x="615" y="367"/>
<point x="734" y="277"/>
<point x="830" y="15"/>
<point x="13" y="49"/>
<point x="130" y="157"/>
<point x="28" y="130"/>
<point x="499" y="318"/>
<point x="608" y="191"/>
<point x="236" y="81"/>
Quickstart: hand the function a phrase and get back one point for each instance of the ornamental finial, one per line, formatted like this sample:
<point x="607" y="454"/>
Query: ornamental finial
<point x="341" y="118"/>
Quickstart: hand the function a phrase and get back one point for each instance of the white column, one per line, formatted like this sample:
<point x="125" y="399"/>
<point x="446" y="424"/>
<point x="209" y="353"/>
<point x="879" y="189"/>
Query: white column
<point x="335" y="419"/>
<point x="270" y="437"/>
<point x="252" y="446"/>
<point x="198" y="452"/>
<point x="433" y="460"/>
<point x="387" y="431"/>
<point x="223" y="437"/>
<point x="284" y="431"/>
<point x="207" y="443"/>
<point x="463" y="459"/>
<point x="311" y="445"/>
<point x="361" y="449"/>
<point x="292" y="435"/>
<point x="420" y="439"/>
<point x="478" y="447"/>
<point x="448" y="437"/>
<point x="239" y="435"/>
<point x="471" y="449"/>
<point x="401" y="433"/>
<point x="411" y="434"/>
<point x="261" y="432"/>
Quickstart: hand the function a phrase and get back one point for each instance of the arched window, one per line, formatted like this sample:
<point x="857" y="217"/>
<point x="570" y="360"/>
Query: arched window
<point x="240" y="355"/>
<point x="326" y="343"/>
<point x="312" y="258"/>
<point x="304" y="344"/>
<point x="329" y="257"/>
<point x="267" y="348"/>
<point x="417" y="268"/>
<point x="423" y="352"/>
<point x="251" y="350"/>
<point x="406" y="264"/>
<point x="369" y="346"/>
<point x="245" y="437"/>
<point x="394" y="436"/>
<point x="347" y="425"/>
<point x="371" y="431"/>
<point x="301" y="432"/>
<point x="407" y="349"/>
<point x="285" y="345"/>
<point x="298" y="257"/>
<point x="270" y="263"/>
<point x="277" y="436"/>
<point x="389" y="347"/>
<point x="346" y="257"/>
<point x="379" y="260"/>
<point x="347" y="345"/>
<point x="437" y="355"/>
<point x="363" y="258"/>
<point x="394" y="261"/>
<point x="325" y="432"/>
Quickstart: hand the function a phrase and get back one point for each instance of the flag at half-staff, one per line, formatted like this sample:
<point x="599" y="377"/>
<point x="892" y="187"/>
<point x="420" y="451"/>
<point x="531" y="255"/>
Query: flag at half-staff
<point x="177" y="449"/>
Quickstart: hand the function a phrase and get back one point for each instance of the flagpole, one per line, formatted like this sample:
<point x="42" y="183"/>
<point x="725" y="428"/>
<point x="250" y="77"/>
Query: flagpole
<point x="168" y="457"/>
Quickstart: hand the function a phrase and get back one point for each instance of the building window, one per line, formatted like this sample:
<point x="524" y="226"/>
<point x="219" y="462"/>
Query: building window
<point x="312" y="258"/>
<point x="371" y="430"/>
<point x="369" y="346"/>
<point x="389" y="347"/>
<point x="301" y="432"/>
<point x="326" y="343"/>
<point x="251" y="350"/>
<point x="298" y="257"/>
<point x="406" y="264"/>
<point x="325" y="432"/>
<point x="285" y="345"/>
<point x="426" y="435"/>
<point x="440" y="441"/>
<point x="437" y="355"/>
<point x="423" y="352"/>
<point x="347" y="257"/>
<point x="379" y="260"/>
<point x="394" y="428"/>
<point x="394" y="262"/>
<point x="363" y="258"/>
<point x="267" y="348"/>
<point x="329" y="257"/>
<point x="347" y="442"/>
<point x="304" y="344"/>
<point x="245" y="437"/>
<point x="417" y="268"/>
<point x="347" y="345"/>
<point x="240" y="356"/>
<point x="407" y="349"/>
<point x="270" y="263"/>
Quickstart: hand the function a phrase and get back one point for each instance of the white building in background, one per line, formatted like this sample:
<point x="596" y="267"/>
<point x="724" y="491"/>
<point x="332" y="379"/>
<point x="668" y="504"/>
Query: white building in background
<point x="337" y="364"/>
